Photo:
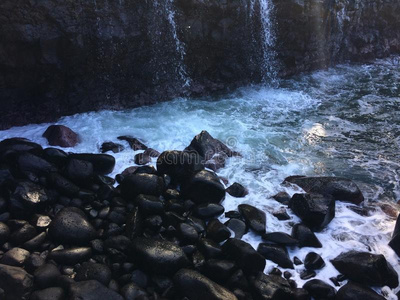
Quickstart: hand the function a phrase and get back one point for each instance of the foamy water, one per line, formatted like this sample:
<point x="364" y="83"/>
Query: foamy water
<point x="344" y="122"/>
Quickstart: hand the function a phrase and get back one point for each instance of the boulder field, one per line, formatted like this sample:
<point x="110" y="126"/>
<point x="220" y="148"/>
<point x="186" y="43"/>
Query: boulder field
<point x="68" y="231"/>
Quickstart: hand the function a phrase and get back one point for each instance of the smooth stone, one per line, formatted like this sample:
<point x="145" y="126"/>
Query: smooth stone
<point x="47" y="276"/>
<point x="395" y="241"/>
<point x="270" y="287"/>
<point x="366" y="268"/>
<point x="103" y="164"/>
<point x="180" y="165"/>
<point x="152" y="152"/>
<point x="209" y="248"/>
<point x="30" y="163"/>
<point x="146" y="184"/>
<point x="150" y="205"/>
<point x="159" y="257"/>
<point x="110" y="146"/>
<point x="339" y="188"/>
<point x="119" y="242"/>
<point x="280" y="238"/>
<point x="204" y="187"/>
<point x="79" y="171"/>
<point x="71" y="226"/>
<point x="92" y="290"/>
<point x="15" y="257"/>
<point x="36" y="242"/>
<point x="248" y="259"/>
<point x="254" y="217"/>
<point x="301" y="294"/>
<point x="307" y="274"/>
<point x="219" y="270"/>
<point x="282" y="197"/>
<point x="237" y="226"/>
<point x="315" y="210"/>
<point x="23" y="234"/>
<point x="131" y="291"/>
<point x="28" y="197"/>
<point x="55" y="156"/>
<point x="19" y="145"/>
<point x="133" y="142"/>
<point x="320" y="290"/>
<point x="16" y="282"/>
<point x="4" y="233"/>
<point x="238" y="280"/>
<point x="313" y="261"/>
<point x="60" y="135"/>
<point x="355" y="291"/>
<point x="71" y="256"/>
<point x="52" y="293"/>
<point x="154" y="223"/>
<point x="94" y="271"/>
<point x="281" y="214"/>
<point x="217" y="231"/>
<point x="142" y="159"/>
<point x="237" y="190"/>
<point x="305" y="236"/>
<point x="208" y="210"/>
<point x="276" y="253"/>
<point x="188" y="233"/>
<point x="196" y="286"/>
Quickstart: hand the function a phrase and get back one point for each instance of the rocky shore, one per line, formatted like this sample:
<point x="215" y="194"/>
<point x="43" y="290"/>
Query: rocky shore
<point x="69" y="231"/>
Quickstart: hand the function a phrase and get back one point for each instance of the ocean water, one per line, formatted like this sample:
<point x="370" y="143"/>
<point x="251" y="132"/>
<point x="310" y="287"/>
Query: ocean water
<point x="344" y="121"/>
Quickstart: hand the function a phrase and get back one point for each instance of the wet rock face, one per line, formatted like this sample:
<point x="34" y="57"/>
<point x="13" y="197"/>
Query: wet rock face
<point x="366" y="268"/>
<point x="110" y="49"/>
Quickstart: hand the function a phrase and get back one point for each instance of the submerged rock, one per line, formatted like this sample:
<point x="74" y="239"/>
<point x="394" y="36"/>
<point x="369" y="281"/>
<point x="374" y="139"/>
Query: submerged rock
<point x="60" y="135"/>
<point x="355" y="291"/>
<point x="366" y="268"/>
<point x="315" y="210"/>
<point x="255" y="218"/>
<point x="339" y="188"/>
<point x="158" y="257"/>
<point x="196" y="286"/>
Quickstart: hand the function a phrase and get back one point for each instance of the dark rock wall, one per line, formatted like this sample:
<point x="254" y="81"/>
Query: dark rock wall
<point x="63" y="57"/>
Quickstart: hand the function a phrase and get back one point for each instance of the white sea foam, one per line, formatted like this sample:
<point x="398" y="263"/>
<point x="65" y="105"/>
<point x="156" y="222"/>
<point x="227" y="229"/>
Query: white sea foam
<point x="333" y="122"/>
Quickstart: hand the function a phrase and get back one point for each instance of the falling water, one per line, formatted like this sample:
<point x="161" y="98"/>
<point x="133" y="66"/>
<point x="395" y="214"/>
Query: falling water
<point x="166" y="12"/>
<point x="267" y="38"/>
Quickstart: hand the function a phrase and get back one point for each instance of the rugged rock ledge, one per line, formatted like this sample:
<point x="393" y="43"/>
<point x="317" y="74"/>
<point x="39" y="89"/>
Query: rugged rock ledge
<point x="61" y="57"/>
<point x="68" y="231"/>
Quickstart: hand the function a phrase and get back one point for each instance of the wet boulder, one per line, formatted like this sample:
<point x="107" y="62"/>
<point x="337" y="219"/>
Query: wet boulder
<point x="355" y="291"/>
<point x="395" y="241"/>
<point x="339" y="188"/>
<point x="17" y="145"/>
<point x="196" y="286"/>
<point x="94" y="271"/>
<point x="158" y="257"/>
<point x="55" y="156"/>
<point x="270" y="287"/>
<point x="150" y="205"/>
<point x="276" y="253"/>
<point x="92" y="290"/>
<point x="217" y="231"/>
<point x="280" y="238"/>
<point x="237" y="226"/>
<point x="313" y="261"/>
<point x="237" y="190"/>
<point x="219" y="270"/>
<point x="28" y="163"/>
<point x="52" y="293"/>
<point x="63" y="185"/>
<point x="71" y="256"/>
<point x="71" y="226"/>
<point x="16" y="282"/>
<point x="208" y="210"/>
<point x="4" y="233"/>
<point x="179" y="165"/>
<point x="15" y="257"/>
<point x="142" y="159"/>
<point x="146" y="184"/>
<point x="366" y="268"/>
<point x="102" y="163"/>
<point x="248" y="259"/>
<point x="204" y="187"/>
<point x="305" y="237"/>
<point x="315" y="210"/>
<point x="207" y="146"/>
<point x="320" y="290"/>
<point x="110" y="146"/>
<point x="60" y="135"/>
<point x="46" y="276"/>
<point x="255" y="218"/>
<point x="133" y="142"/>
<point x="28" y="197"/>
<point x="79" y="171"/>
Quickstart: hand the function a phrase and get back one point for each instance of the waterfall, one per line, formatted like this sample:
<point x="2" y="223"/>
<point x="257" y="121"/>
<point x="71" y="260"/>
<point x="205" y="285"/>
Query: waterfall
<point x="262" y="10"/>
<point x="164" y="12"/>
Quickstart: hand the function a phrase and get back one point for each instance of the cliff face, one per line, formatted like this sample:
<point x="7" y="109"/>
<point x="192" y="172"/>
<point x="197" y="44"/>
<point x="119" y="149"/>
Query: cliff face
<point x="63" y="57"/>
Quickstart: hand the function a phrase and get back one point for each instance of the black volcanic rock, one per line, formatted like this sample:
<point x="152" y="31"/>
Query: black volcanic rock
<point x="395" y="241"/>
<point x="305" y="237"/>
<point x="134" y="143"/>
<point x="53" y="293"/>
<point x="276" y="253"/>
<point x="71" y="226"/>
<point x="29" y="163"/>
<point x="237" y="190"/>
<point x="79" y="171"/>
<point x="248" y="259"/>
<point x="94" y="271"/>
<point x="280" y="238"/>
<point x="237" y="226"/>
<point x="46" y="276"/>
<point x="158" y="257"/>
<point x="28" y="197"/>
<point x="16" y="282"/>
<point x="339" y="188"/>
<point x="254" y="217"/>
<point x="150" y="205"/>
<point x="110" y="146"/>
<point x="4" y="233"/>
<point x="355" y="291"/>
<point x="313" y="261"/>
<point x="92" y="290"/>
<point x="208" y="210"/>
<point x="217" y="231"/>
<point x="194" y="285"/>
<point x="315" y="210"/>
<point x="102" y="163"/>
<point x="60" y="135"/>
<point x="142" y="159"/>
<point x="366" y="268"/>
<point x="71" y="256"/>
<point x="204" y="187"/>
<point x="147" y="184"/>
<point x="15" y="257"/>
<point x="270" y="287"/>
<point x="320" y="290"/>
